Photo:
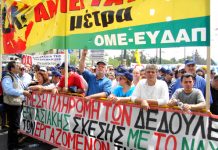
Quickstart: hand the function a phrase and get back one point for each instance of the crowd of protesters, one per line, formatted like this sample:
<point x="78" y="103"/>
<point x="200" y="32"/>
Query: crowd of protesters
<point x="184" y="85"/>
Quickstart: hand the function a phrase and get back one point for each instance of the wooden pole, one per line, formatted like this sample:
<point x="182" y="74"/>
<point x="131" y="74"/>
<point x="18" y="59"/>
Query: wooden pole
<point x="208" y="80"/>
<point x="66" y="69"/>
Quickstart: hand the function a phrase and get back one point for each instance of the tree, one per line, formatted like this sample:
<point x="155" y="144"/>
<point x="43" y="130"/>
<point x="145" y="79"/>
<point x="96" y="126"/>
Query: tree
<point x="143" y="58"/>
<point x="173" y="60"/>
<point x="74" y="60"/>
<point x="213" y="62"/>
<point x="114" y="61"/>
<point x="198" y="59"/>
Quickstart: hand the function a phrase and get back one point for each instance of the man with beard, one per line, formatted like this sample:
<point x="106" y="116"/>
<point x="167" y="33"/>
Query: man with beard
<point x="99" y="86"/>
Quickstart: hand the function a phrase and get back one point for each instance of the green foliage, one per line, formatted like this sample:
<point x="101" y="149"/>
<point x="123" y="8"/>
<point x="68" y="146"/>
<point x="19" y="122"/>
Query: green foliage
<point x="114" y="61"/>
<point x="74" y="60"/>
<point x="130" y="58"/>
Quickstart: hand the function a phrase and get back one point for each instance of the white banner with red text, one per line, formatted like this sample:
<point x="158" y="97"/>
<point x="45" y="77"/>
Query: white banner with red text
<point x="68" y="122"/>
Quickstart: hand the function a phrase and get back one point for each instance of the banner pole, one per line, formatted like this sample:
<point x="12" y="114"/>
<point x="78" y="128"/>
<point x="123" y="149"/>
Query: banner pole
<point x="1" y="59"/>
<point x="1" y="41"/>
<point x="208" y="80"/>
<point x="66" y="69"/>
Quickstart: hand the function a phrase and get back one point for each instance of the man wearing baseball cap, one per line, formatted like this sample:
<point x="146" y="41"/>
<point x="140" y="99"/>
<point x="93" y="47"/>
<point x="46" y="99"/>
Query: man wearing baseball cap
<point x="98" y="84"/>
<point x="74" y="81"/>
<point x="199" y="83"/>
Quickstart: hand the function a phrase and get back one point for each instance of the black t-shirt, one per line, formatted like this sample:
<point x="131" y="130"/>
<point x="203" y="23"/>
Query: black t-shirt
<point x="214" y="105"/>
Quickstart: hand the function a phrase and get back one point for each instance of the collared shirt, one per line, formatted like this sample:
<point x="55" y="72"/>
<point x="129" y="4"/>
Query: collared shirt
<point x="97" y="85"/>
<point x="7" y="85"/>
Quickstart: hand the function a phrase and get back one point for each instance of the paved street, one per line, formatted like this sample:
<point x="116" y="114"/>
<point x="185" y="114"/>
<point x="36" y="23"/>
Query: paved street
<point x="29" y="143"/>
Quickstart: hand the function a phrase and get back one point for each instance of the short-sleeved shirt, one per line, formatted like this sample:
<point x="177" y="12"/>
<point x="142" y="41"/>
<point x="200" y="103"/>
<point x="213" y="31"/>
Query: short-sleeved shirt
<point x="119" y="92"/>
<point x="96" y="85"/>
<point x="73" y="80"/>
<point x="195" y="97"/>
<point x="158" y="92"/>
<point x="199" y="83"/>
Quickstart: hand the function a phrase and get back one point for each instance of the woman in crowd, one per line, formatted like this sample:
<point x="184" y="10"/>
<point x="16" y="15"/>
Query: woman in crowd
<point x="123" y="92"/>
<point x="43" y="82"/>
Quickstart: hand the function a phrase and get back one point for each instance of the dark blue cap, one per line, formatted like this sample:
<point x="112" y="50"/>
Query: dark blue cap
<point x="127" y="74"/>
<point x="189" y="62"/>
<point x="168" y="71"/>
<point x="52" y="68"/>
<point x="131" y="70"/>
<point x="70" y="67"/>
<point x="162" y="69"/>
<point x="101" y="62"/>
<point x="56" y="73"/>
<point x="121" y="69"/>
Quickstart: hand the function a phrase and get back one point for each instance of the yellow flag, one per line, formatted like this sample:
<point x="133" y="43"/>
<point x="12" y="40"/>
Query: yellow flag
<point x="137" y="57"/>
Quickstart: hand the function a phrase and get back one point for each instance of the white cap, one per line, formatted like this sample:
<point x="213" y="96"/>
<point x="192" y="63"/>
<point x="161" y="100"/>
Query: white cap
<point x="43" y="69"/>
<point x="181" y="67"/>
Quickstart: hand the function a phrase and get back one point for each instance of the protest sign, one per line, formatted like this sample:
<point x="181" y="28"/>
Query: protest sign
<point x="48" y="60"/>
<point x="103" y="24"/>
<point x="69" y="122"/>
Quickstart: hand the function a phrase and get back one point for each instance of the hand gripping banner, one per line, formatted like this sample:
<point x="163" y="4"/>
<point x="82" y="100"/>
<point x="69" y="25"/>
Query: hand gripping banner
<point x="70" y="123"/>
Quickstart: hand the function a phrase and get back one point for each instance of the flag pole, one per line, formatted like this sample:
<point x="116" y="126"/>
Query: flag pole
<point x="66" y="69"/>
<point x="208" y="79"/>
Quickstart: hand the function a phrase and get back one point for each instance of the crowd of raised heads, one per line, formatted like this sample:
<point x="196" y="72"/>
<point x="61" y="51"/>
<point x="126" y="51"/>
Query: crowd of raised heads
<point x="145" y="85"/>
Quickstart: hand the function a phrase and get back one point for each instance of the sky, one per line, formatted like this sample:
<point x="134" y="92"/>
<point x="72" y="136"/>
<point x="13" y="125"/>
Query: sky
<point x="180" y="52"/>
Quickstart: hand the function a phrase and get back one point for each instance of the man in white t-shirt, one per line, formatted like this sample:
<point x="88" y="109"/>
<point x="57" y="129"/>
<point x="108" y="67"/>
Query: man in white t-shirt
<point x="150" y="91"/>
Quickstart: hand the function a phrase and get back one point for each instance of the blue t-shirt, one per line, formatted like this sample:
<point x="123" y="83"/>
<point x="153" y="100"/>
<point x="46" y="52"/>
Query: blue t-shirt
<point x="96" y="85"/>
<point x="119" y="92"/>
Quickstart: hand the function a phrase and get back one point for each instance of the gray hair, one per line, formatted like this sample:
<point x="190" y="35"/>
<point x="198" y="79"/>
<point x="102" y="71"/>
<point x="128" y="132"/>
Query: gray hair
<point x="151" y="67"/>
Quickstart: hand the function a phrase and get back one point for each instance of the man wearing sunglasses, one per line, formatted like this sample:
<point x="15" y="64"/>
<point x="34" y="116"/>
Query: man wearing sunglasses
<point x="168" y="77"/>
